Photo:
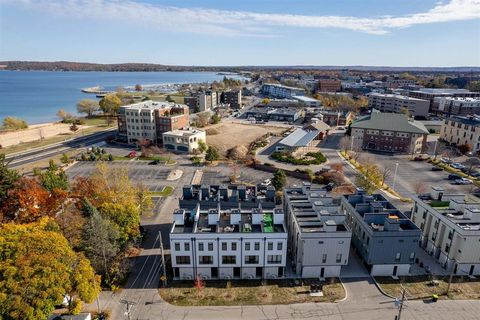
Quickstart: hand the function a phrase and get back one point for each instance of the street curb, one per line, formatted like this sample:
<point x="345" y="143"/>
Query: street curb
<point x="381" y="290"/>
<point x="345" y="290"/>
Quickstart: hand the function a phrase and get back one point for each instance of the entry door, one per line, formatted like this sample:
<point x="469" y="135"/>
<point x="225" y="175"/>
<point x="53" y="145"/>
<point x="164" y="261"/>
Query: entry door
<point x="395" y="270"/>
<point x="472" y="267"/>
<point x="322" y="273"/>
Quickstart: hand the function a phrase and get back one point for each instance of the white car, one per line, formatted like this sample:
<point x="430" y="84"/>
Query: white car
<point x="463" y="181"/>
<point x="267" y="182"/>
<point x="457" y="165"/>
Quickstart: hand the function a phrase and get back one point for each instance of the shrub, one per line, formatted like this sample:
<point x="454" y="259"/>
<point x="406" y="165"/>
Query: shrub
<point x="318" y="158"/>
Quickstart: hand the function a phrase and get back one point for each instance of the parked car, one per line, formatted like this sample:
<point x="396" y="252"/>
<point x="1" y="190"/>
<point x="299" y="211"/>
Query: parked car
<point x="463" y="181"/>
<point x="435" y="168"/>
<point x="453" y="176"/>
<point x="132" y="154"/>
<point x="475" y="174"/>
<point x="330" y="186"/>
<point x="266" y="182"/>
<point x="457" y="165"/>
<point x="446" y="160"/>
<point x="418" y="158"/>
<point x="154" y="162"/>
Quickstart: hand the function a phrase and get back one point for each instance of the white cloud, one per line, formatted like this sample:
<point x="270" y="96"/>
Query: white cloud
<point x="242" y="23"/>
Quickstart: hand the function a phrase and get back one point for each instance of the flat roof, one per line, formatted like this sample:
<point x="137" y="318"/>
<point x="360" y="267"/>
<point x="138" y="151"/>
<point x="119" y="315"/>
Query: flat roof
<point x="305" y="99"/>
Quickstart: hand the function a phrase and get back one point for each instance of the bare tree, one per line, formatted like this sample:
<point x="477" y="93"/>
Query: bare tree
<point x="471" y="163"/>
<point x="419" y="187"/>
<point x="345" y="143"/>
<point x="337" y="166"/>
<point x="449" y="153"/>
<point x="386" y="173"/>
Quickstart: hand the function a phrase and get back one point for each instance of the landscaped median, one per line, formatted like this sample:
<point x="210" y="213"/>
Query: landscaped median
<point x="424" y="287"/>
<point x="251" y="292"/>
<point x="308" y="159"/>
<point x="166" y="191"/>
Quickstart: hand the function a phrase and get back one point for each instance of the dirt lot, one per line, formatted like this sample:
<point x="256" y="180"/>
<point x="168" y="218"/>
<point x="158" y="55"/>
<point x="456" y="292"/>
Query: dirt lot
<point x="235" y="134"/>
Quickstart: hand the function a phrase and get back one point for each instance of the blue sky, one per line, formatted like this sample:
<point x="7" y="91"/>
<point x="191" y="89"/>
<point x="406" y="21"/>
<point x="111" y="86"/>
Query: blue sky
<point x="247" y="32"/>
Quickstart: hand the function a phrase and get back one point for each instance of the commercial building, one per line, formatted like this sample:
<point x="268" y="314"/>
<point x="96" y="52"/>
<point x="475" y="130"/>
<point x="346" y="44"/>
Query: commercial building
<point x="149" y="120"/>
<point x="395" y="103"/>
<point x="335" y="118"/>
<point x="450" y="225"/>
<point x="390" y="133"/>
<point x="281" y="91"/>
<point x="222" y="232"/>
<point x="183" y="140"/>
<point x="329" y="85"/>
<point x="307" y="101"/>
<point x="456" y="106"/>
<point x="399" y="83"/>
<point x="430" y="94"/>
<point x="318" y="238"/>
<point x="461" y="130"/>
<point x="273" y="114"/>
<point x="384" y="238"/>
<point x="302" y="138"/>
<point x="232" y="98"/>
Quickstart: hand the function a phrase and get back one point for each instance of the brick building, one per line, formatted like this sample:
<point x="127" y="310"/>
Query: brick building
<point x="329" y="85"/>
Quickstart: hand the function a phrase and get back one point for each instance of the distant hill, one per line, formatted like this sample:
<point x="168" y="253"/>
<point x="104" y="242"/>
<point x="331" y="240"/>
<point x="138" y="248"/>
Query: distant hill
<point x="84" y="66"/>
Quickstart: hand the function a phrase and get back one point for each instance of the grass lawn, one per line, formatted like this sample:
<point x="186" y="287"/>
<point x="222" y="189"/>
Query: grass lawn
<point x="249" y="292"/>
<point x="167" y="160"/>
<point x="421" y="287"/>
<point x="167" y="191"/>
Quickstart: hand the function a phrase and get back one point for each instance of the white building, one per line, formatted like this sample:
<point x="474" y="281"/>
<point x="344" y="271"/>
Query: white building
<point x="450" y="225"/>
<point x="223" y="233"/>
<point x="395" y="103"/>
<point x="307" y="101"/>
<point x="183" y="140"/>
<point x="462" y="130"/>
<point x="281" y="91"/>
<point x="318" y="238"/>
<point x="456" y="106"/>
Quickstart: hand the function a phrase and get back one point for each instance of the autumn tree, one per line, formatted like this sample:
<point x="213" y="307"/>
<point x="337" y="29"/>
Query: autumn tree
<point x="464" y="148"/>
<point x="471" y="163"/>
<point x="337" y="166"/>
<point x="138" y="87"/>
<point x="13" y="123"/>
<point x="88" y="106"/>
<point x="64" y="115"/>
<point x="8" y="178"/>
<point x="385" y="174"/>
<point x="110" y="104"/>
<point x="37" y="268"/>
<point x="369" y="178"/>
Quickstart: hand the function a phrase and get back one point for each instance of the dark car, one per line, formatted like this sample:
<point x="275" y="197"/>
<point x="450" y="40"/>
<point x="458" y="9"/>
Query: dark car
<point x="453" y="177"/>
<point x="418" y="158"/>
<point x="154" y="162"/>
<point x="329" y="186"/>
<point x="435" y="168"/>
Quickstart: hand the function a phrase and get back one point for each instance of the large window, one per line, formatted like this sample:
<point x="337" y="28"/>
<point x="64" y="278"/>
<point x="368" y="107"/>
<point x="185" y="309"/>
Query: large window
<point x="229" y="260"/>
<point x="200" y="246"/>
<point x="251" y="259"/>
<point x="247" y="246"/>
<point x="277" y="258"/>
<point x="224" y="246"/>
<point x="270" y="246"/>
<point x="205" y="260"/>
<point x="186" y="246"/>
<point x="280" y="246"/>
<point x="338" y="258"/>
<point x="177" y="246"/>
<point x="182" y="259"/>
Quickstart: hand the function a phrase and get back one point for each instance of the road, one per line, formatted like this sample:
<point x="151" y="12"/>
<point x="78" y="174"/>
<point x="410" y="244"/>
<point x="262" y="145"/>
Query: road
<point x="33" y="155"/>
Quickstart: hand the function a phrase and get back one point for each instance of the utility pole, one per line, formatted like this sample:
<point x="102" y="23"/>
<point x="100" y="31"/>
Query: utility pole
<point x="395" y="176"/>
<point x="129" y="305"/>
<point x="400" y="307"/>
<point x="450" y="278"/>
<point x="164" y="272"/>
<point x="435" y="150"/>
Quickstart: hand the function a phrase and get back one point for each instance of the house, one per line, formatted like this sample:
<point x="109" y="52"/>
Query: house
<point x="183" y="140"/>
<point x="389" y="133"/>
<point x="450" y="225"/>
<point x="222" y="232"/>
<point x="384" y="238"/>
<point x="318" y="238"/>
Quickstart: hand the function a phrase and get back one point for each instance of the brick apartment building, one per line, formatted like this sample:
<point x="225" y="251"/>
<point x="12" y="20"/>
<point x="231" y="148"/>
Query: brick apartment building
<point x="329" y="85"/>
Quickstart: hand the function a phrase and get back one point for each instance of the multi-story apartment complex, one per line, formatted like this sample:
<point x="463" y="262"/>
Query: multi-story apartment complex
<point x="274" y="114"/>
<point x="399" y="83"/>
<point x="318" y="238"/>
<point x="450" y="225"/>
<point x="281" y="91"/>
<point x="329" y="85"/>
<point x="232" y="98"/>
<point x="461" y="130"/>
<point x="456" y="106"/>
<point x="389" y="132"/>
<point x="223" y="232"/>
<point x="385" y="239"/>
<point x="395" y="103"/>
<point x="183" y="140"/>
<point x="202" y="100"/>
<point x="430" y="94"/>
<point x="150" y="119"/>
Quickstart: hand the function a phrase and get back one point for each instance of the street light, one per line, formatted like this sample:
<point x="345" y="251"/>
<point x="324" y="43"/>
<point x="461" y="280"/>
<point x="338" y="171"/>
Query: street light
<point x="395" y="176"/>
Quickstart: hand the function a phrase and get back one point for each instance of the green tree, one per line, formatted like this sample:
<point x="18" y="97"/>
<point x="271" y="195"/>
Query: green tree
<point x="37" y="268"/>
<point x="65" y="159"/>
<point x="54" y="178"/>
<point x="12" y="123"/>
<point x="216" y="118"/>
<point x="110" y="104"/>
<point x="369" y="178"/>
<point x="474" y="86"/>
<point x="212" y="154"/>
<point x="88" y="106"/>
<point x="279" y="180"/>
<point x="8" y="177"/>
<point x="202" y="146"/>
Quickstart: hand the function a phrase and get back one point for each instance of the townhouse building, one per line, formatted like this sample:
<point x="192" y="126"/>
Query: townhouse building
<point x="318" y="238"/>
<point x="281" y="91"/>
<point x="450" y="225"/>
<point x="183" y="140"/>
<point x="389" y="133"/>
<point x="395" y="103"/>
<point x="451" y="106"/>
<point x="384" y="238"/>
<point x="222" y="232"/>
<point x="461" y="130"/>
<point x="149" y="120"/>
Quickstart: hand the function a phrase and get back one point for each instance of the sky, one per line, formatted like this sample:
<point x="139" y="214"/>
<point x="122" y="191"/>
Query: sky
<point x="247" y="32"/>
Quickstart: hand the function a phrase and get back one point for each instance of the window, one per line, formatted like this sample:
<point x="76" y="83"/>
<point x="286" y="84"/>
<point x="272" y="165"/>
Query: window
<point x="280" y="246"/>
<point x="224" y="246"/>
<point x="270" y="246"/>
<point x="200" y="246"/>
<point x="398" y="255"/>
<point x="271" y="259"/>
<point x="247" y="246"/>
<point x="177" y="246"/>
<point x="401" y="240"/>
<point x="210" y="246"/>
<point x="229" y="259"/>
<point x="251" y="259"/>
<point x="182" y="259"/>
<point x="186" y="246"/>
<point x="450" y="235"/>
<point x="368" y="240"/>
<point x="234" y="246"/>
<point x="257" y="246"/>
<point x="205" y="260"/>
<point x="324" y="258"/>
<point x="338" y="258"/>
<point x="447" y="248"/>
<point x="412" y="256"/>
